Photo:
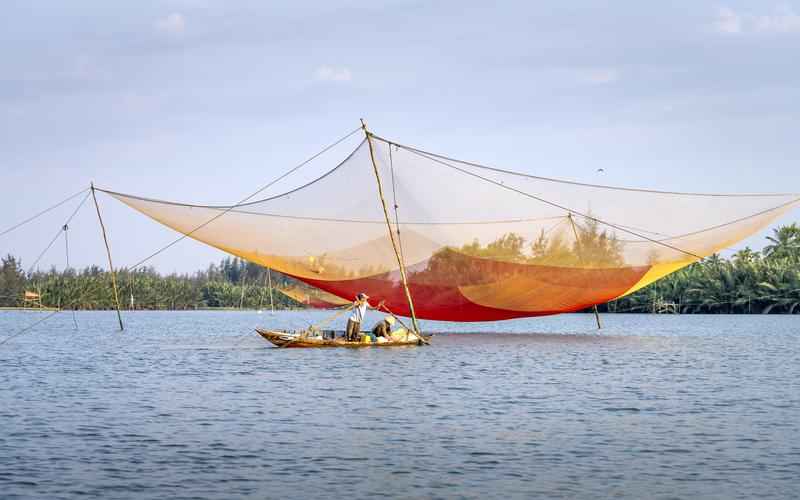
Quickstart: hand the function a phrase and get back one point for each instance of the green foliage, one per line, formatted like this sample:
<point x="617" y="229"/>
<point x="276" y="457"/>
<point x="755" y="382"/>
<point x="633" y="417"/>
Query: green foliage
<point x="784" y="244"/>
<point x="12" y="281"/>
<point x="576" y="245"/>
<point x="747" y="283"/>
<point x="233" y="283"/>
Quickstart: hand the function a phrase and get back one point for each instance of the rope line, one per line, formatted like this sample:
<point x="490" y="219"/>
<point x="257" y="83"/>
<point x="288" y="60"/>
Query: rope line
<point x="335" y="219"/>
<point x="60" y="230"/>
<point x="316" y="327"/>
<point x="30" y="219"/>
<point x="584" y="184"/>
<point x="241" y="202"/>
<point x="63" y="229"/>
<point x="548" y="202"/>
<point x="42" y="320"/>
<point x="256" y="202"/>
<point x="551" y="228"/>
<point x="66" y="250"/>
<point x="29" y="327"/>
<point x="394" y="201"/>
<point x="729" y="223"/>
<point x="36" y="262"/>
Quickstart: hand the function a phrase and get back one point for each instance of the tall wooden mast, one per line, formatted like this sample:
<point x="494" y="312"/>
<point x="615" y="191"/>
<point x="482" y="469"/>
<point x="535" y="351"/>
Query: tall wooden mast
<point x="400" y="262"/>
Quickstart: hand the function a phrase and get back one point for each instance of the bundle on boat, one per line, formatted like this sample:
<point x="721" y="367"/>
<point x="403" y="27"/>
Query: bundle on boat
<point x="478" y="243"/>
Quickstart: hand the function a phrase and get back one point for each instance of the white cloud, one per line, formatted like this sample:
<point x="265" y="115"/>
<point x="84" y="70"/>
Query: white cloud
<point x="600" y="76"/>
<point x="173" y="25"/>
<point x="783" y="21"/>
<point x="333" y="74"/>
<point x="727" y="21"/>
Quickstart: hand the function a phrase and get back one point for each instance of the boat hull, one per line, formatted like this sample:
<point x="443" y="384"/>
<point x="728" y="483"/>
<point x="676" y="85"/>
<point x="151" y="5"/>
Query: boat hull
<point x="282" y="338"/>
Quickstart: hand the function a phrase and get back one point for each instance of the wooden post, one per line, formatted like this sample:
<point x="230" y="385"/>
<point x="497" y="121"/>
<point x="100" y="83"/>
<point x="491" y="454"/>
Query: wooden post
<point x="271" y="302"/>
<point x="400" y="262"/>
<point x="110" y="264"/>
<point x="580" y="256"/>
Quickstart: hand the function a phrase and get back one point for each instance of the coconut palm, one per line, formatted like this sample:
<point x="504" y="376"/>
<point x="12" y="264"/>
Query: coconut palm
<point x="784" y="243"/>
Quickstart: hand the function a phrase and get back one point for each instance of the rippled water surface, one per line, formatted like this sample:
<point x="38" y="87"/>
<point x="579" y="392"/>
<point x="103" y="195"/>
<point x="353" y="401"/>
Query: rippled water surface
<point x="195" y="405"/>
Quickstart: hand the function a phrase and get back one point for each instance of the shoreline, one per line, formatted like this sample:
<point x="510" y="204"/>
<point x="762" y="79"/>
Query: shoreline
<point x="236" y="309"/>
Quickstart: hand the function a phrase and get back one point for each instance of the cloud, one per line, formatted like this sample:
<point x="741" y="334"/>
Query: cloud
<point x="727" y="21"/>
<point x="172" y="25"/>
<point x="333" y="74"/>
<point x="600" y="76"/>
<point x="784" y="21"/>
<point x="730" y="22"/>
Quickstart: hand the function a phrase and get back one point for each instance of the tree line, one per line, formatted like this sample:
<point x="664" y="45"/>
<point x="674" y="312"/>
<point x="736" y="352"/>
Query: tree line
<point x="766" y="281"/>
<point x="233" y="283"/>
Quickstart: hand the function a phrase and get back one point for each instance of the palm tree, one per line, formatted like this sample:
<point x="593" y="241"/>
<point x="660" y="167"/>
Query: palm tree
<point x="784" y="243"/>
<point x="746" y="255"/>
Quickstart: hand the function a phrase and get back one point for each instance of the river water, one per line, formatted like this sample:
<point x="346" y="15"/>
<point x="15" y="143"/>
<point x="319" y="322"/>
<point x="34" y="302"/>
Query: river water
<point x="195" y="405"/>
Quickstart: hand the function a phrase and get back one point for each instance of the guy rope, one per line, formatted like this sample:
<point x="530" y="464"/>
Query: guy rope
<point x="110" y="264"/>
<point x="62" y="230"/>
<point x="580" y="256"/>
<point x="318" y="326"/>
<point x="400" y="262"/>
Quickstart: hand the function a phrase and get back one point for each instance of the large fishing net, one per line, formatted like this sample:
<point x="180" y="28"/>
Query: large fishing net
<point x="478" y="243"/>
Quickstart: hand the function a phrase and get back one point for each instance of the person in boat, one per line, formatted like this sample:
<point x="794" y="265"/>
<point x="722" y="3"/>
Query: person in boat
<point x="360" y="306"/>
<point x="383" y="328"/>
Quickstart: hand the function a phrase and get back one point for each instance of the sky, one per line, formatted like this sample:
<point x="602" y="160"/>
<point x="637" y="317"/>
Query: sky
<point x="202" y="102"/>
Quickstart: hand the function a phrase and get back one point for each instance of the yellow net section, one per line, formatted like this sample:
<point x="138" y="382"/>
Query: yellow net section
<point x="479" y="243"/>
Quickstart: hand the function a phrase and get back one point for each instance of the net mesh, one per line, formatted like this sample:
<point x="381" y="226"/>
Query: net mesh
<point x="479" y="243"/>
<point x="313" y="297"/>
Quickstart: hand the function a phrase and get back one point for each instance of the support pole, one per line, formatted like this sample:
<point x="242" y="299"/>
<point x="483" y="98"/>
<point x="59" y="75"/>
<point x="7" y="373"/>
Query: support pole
<point x="400" y="262"/>
<point x="271" y="302"/>
<point x="580" y="256"/>
<point x="110" y="264"/>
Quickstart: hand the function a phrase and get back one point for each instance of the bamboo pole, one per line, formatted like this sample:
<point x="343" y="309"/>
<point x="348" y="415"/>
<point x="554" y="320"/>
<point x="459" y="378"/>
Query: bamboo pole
<point x="271" y="302"/>
<point x="580" y="256"/>
<point x="400" y="262"/>
<point x="110" y="264"/>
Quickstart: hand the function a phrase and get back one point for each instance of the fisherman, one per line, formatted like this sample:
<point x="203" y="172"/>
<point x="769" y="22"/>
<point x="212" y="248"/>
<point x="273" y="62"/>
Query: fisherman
<point x="357" y="317"/>
<point x="383" y="328"/>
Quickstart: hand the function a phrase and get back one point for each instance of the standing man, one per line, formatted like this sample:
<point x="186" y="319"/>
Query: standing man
<point x="357" y="316"/>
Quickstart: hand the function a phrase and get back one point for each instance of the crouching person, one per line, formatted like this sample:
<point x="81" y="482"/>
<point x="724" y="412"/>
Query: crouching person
<point x="383" y="328"/>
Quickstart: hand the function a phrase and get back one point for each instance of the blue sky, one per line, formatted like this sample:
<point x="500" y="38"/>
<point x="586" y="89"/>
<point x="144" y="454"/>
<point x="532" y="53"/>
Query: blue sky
<point x="202" y="101"/>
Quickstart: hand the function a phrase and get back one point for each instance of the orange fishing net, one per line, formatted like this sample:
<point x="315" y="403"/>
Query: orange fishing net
<point x="479" y="243"/>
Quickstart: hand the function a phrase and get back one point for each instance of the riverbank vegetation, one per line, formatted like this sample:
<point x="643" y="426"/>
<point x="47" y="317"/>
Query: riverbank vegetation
<point x="766" y="281"/>
<point x="233" y="283"/>
<point x="749" y="282"/>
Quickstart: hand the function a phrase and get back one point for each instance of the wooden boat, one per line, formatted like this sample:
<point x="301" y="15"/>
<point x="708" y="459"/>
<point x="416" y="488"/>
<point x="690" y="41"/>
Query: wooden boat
<point x="287" y="338"/>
